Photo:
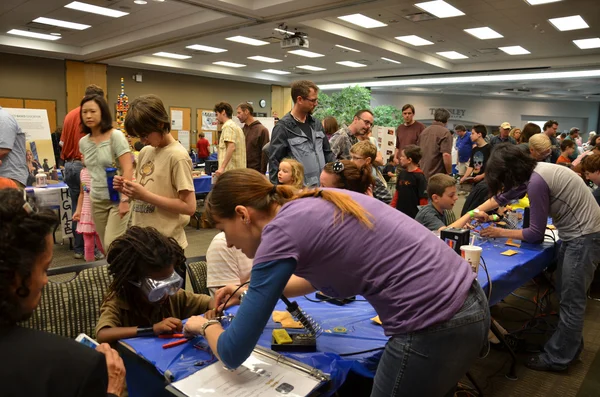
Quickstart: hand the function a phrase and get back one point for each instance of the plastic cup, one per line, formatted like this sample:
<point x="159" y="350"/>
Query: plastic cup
<point x="112" y="193"/>
<point x="472" y="254"/>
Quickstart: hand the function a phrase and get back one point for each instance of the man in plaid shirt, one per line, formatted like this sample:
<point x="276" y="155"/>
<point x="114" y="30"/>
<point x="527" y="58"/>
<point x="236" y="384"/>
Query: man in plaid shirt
<point x="345" y="137"/>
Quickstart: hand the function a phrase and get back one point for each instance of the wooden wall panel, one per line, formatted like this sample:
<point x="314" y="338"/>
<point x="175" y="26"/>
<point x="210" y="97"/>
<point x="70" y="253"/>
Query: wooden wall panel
<point x="11" y="102"/>
<point x="187" y="123"/>
<point x="281" y="100"/>
<point x="79" y="76"/>
<point x="50" y="107"/>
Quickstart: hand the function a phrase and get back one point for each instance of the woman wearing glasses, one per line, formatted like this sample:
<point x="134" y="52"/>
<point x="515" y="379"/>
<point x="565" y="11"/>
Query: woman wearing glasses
<point x="338" y="242"/>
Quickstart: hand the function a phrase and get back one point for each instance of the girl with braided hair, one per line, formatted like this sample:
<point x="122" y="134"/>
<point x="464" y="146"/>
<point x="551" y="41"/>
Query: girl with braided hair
<point x="145" y="297"/>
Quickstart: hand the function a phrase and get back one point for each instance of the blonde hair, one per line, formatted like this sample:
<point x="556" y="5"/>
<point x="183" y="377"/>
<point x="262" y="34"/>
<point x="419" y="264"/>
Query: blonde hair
<point x="540" y="143"/>
<point x="512" y="134"/>
<point x="250" y="188"/>
<point x="366" y="149"/>
<point x="297" y="172"/>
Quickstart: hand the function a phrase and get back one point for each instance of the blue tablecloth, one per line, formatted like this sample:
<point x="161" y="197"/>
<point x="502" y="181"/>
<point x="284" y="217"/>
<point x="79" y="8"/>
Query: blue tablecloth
<point x="507" y="274"/>
<point x="203" y="184"/>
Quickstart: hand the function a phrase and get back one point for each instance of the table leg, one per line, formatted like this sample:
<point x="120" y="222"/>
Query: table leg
<point x="512" y="373"/>
<point x="475" y="385"/>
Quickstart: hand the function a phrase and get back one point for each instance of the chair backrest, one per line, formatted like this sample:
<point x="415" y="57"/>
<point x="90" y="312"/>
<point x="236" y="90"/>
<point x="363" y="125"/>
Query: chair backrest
<point x="68" y="308"/>
<point x="197" y="269"/>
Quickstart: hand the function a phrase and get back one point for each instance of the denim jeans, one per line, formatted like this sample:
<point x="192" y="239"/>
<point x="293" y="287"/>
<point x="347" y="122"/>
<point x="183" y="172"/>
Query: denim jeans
<point x="577" y="261"/>
<point x="73" y="181"/>
<point x="430" y="362"/>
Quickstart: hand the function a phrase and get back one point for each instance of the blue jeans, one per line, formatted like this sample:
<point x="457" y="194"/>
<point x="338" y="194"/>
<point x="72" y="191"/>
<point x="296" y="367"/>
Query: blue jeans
<point x="577" y="262"/>
<point x="73" y="181"/>
<point x="430" y="362"/>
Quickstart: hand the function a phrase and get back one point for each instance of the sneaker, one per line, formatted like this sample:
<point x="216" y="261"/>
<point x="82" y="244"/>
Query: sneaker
<point x="78" y="256"/>
<point x="99" y="256"/>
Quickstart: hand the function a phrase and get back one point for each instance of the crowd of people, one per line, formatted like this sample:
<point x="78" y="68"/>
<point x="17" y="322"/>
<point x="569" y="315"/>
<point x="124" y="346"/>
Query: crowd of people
<point x="133" y="210"/>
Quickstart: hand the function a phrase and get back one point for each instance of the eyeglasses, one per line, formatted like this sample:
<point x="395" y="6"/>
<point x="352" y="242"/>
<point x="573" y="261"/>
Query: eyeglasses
<point x="356" y="158"/>
<point x="368" y="123"/>
<point x="314" y="100"/>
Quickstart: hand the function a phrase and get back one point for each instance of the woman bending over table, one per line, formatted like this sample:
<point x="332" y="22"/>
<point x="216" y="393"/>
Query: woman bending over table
<point x="337" y="241"/>
<point x="559" y="192"/>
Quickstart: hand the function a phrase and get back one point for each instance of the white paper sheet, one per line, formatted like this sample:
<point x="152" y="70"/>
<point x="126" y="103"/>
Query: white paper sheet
<point x="184" y="138"/>
<point x="209" y="121"/>
<point x="176" y="119"/>
<point x="258" y="376"/>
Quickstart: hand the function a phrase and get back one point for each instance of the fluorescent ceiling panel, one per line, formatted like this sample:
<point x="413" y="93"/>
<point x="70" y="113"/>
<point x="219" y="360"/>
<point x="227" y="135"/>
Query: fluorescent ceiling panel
<point x="452" y="55"/>
<point x="275" y="71"/>
<point x="62" y="24"/>
<point x="537" y="2"/>
<point x="284" y="31"/>
<point x="206" y="48"/>
<point x="247" y="40"/>
<point x="484" y="33"/>
<point x="346" y="48"/>
<point x="440" y="9"/>
<point x="569" y="23"/>
<point x="414" y="40"/>
<point x="33" y="35"/>
<point x="390" y="60"/>
<point x="309" y="67"/>
<point x="229" y="64"/>
<point x="260" y="58"/>
<point x="514" y="50"/>
<point x="351" y="64"/>
<point x="363" y="21"/>
<point x="171" y="55"/>
<point x="308" y="54"/>
<point x="79" y="6"/>
<point x="586" y="44"/>
<point x="576" y="74"/>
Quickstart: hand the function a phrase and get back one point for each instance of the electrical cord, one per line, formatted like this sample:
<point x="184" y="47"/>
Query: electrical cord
<point x="232" y="294"/>
<point x="483" y="264"/>
<point x="361" y="352"/>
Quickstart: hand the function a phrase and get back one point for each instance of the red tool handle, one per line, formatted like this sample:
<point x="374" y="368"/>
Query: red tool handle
<point x="174" y="343"/>
<point x="170" y="336"/>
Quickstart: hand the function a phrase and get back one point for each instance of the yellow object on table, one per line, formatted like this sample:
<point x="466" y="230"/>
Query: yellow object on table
<point x="522" y="203"/>
<point x="376" y="320"/>
<point x="509" y="253"/>
<point x="281" y="337"/>
<point x="286" y="320"/>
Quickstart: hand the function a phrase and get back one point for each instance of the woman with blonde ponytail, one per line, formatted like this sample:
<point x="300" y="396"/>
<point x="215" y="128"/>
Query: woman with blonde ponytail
<point x="338" y="242"/>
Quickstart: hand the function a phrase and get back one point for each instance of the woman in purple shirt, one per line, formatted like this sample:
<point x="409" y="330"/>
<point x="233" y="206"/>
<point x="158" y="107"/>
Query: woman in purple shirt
<point x="338" y="242"/>
<point x="558" y="192"/>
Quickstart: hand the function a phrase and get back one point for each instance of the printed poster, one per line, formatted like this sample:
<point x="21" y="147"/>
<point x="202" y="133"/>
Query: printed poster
<point x="209" y="121"/>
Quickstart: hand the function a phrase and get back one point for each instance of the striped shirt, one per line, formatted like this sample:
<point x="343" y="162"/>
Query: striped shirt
<point x="230" y="132"/>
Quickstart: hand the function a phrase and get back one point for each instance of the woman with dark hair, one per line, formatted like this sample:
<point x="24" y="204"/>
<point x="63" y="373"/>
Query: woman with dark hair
<point x="105" y="147"/>
<point x="529" y="130"/>
<point x="345" y="174"/>
<point x="337" y="241"/>
<point x="61" y="367"/>
<point x="558" y="192"/>
<point x="330" y="126"/>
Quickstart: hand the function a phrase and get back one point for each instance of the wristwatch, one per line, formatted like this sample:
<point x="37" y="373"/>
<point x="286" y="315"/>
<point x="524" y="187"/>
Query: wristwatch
<point x="243" y="295"/>
<point x="208" y="324"/>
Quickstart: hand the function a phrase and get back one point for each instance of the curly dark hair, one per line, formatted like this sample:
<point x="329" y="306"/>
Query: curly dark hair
<point x="140" y="251"/>
<point x="22" y="241"/>
<point x="508" y="167"/>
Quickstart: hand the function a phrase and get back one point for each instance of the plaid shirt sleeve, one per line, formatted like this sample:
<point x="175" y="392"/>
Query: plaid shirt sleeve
<point x="381" y="192"/>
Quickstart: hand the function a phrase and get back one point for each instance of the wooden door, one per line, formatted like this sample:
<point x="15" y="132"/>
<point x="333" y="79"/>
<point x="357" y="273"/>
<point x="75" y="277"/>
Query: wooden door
<point x="80" y="75"/>
<point x="11" y="102"/>
<point x="50" y="107"/>
<point x="187" y="122"/>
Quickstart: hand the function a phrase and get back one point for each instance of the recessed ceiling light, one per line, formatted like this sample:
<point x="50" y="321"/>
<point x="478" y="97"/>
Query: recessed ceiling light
<point x="171" y="55"/>
<point x="229" y="64"/>
<point x="362" y="21"/>
<point x="586" y="44"/>
<point x="390" y="60"/>
<point x="76" y="5"/>
<point x="304" y="53"/>
<point x="275" y="71"/>
<point x="351" y="64"/>
<point x="260" y="58"/>
<point x="514" y="50"/>
<point x="575" y="74"/>
<point x="284" y="31"/>
<point x="62" y="24"/>
<point x="569" y="23"/>
<point x="440" y="9"/>
<point x="414" y="40"/>
<point x="55" y="34"/>
<point x="247" y="40"/>
<point x="537" y="2"/>
<point x="313" y="68"/>
<point x="346" y="48"/>
<point x="484" y="33"/>
<point x="452" y="55"/>
<point x="206" y="48"/>
<point x="141" y="2"/>
<point x="33" y="35"/>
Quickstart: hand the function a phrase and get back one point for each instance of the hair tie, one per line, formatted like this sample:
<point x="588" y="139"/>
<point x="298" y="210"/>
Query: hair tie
<point x="274" y="190"/>
<point x="320" y="193"/>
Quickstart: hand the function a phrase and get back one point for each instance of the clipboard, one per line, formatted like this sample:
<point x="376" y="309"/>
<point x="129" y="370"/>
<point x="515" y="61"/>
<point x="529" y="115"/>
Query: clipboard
<point x="265" y="373"/>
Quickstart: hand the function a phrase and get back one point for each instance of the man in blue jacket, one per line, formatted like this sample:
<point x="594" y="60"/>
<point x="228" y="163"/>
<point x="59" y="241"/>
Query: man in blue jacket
<point x="298" y="135"/>
<point x="464" y="147"/>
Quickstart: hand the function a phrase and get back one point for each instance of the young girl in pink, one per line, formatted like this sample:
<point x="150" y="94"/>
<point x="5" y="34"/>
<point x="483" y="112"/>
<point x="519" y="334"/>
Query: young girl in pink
<point x="83" y="215"/>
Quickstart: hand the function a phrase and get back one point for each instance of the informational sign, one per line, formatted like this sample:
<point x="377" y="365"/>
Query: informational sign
<point x="209" y="121"/>
<point x="184" y="138"/>
<point x="386" y="140"/>
<point x="455" y="113"/>
<point x="66" y="214"/>
<point x="34" y="124"/>
<point x="176" y="120"/>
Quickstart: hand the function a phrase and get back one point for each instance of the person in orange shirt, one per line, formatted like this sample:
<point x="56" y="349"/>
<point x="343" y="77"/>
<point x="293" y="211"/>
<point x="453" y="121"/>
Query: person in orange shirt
<point x="567" y="148"/>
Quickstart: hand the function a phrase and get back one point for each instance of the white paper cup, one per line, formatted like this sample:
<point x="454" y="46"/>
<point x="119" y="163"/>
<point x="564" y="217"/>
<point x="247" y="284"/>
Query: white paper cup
<point x="472" y="254"/>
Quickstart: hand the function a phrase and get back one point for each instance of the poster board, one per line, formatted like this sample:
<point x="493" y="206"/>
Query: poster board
<point x="66" y="214"/>
<point x="206" y="121"/>
<point x="180" y="117"/>
<point x="386" y="139"/>
<point x="184" y="138"/>
<point x="36" y="127"/>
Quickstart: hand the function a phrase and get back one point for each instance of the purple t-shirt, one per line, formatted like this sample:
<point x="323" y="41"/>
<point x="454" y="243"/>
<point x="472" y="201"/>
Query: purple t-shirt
<point x="412" y="279"/>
